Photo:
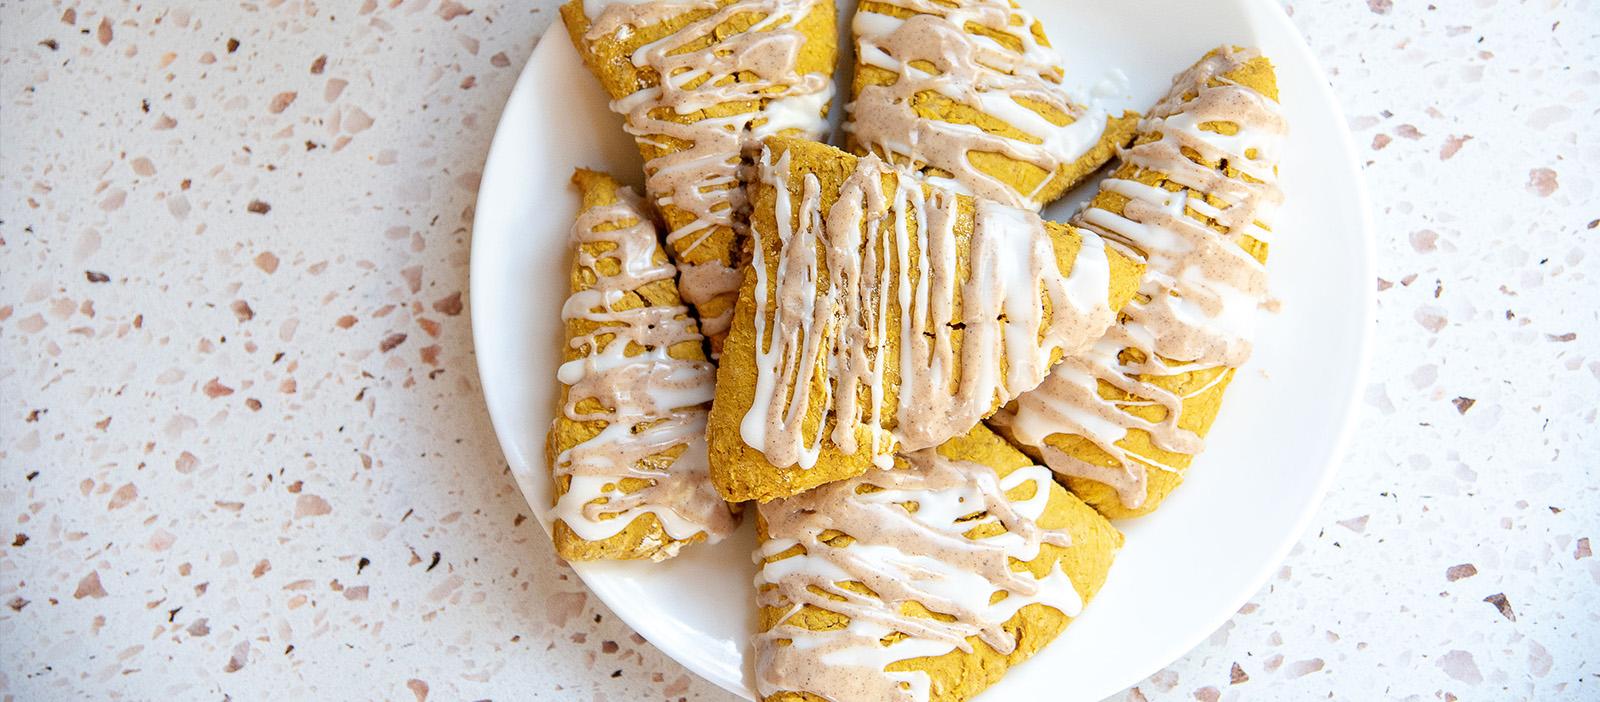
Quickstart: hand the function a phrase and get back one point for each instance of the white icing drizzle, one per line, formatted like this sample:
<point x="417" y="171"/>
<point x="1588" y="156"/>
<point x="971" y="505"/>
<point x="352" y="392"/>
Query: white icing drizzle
<point x="1198" y="300"/>
<point x="755" y="70"/>
<point x="839" y="338"/>
<point x="650" y="402"/>
<point x="903" y="554"/>
<point x="974" y="70"/>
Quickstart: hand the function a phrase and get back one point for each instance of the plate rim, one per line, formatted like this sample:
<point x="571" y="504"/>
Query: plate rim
<point x="1271" y="12"/>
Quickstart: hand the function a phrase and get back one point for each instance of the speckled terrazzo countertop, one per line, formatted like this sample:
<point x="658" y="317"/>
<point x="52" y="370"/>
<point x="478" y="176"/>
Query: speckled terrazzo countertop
<point x="244" y="452"/>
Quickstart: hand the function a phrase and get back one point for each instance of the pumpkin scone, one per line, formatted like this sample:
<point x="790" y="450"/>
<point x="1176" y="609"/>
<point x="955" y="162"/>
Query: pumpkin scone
<point x="970" y="93"/>
<point x="1195" y="196"/>
<point x="882" y="313"/>
<point x="922" y="585"/>
<point x="627" y="448"/>
<point x="699" y="84"/>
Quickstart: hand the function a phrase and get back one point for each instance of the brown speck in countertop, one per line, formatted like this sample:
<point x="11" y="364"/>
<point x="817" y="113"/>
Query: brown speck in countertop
<point x="96" y="276"/>
<point x="122" y="496"/>
<point x="1542" y="182"/>
<point x="450" y="9"/>
<point x="1457" y="572"/>
<point x="317" y="65"/>
<point x="1425" y="240"/>
<point x="233" y="45"/>
<point x="241" y="310"/>
<point x="239" y="657"/>
<point x="1463" y="404"/>
<point x="1431" y="318"/>
<point x="308" y="505"/>
<point x="267" y="261"/>
<point x="1502" y="604"/>
<point x="89" y="586"/>
<point x="102" y="33"/>
<point x="391" y="341"/>
<point x="413" y="277"/>
<point x="449" y="304"/>
<point x="1357" y="525"/>
<point x="1452" y="145"/>
<point x="418" y="688"/>
<point x="258" y="207"/>
<point x="281" y="101"/>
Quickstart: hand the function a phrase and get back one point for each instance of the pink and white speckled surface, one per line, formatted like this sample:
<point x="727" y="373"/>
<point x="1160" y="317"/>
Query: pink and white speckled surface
<point x="244" y="452"/>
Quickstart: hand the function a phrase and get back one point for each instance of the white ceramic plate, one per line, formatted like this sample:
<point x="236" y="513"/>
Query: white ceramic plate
<point x="1185" y="569"/>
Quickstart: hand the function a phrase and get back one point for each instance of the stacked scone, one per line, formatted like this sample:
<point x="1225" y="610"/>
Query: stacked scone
<point x="935" y="398"/>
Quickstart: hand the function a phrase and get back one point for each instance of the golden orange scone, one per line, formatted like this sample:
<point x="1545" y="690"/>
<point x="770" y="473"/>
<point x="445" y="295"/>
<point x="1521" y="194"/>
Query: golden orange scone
<point x="1195" y="196"/>
<point x="971" y="93"/>
<point x="922" y="585"/>
<point x="881" y="313"/>
<point x="627" y="448"/>
<point x="699" y="84"/>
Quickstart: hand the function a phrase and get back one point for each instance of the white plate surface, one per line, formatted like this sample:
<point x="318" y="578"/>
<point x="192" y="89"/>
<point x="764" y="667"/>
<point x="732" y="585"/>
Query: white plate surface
<point x="1185" y="569"/>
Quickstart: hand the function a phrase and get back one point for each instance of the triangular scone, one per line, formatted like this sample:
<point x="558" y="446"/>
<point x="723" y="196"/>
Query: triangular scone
<point x="922" y="585"/>
<point x="699" y="83"/>
<point x="882" y="313"/>
<point x="970" y="93"/>
<point x="1195" y="195"/>
<point x="627" y="448"/>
